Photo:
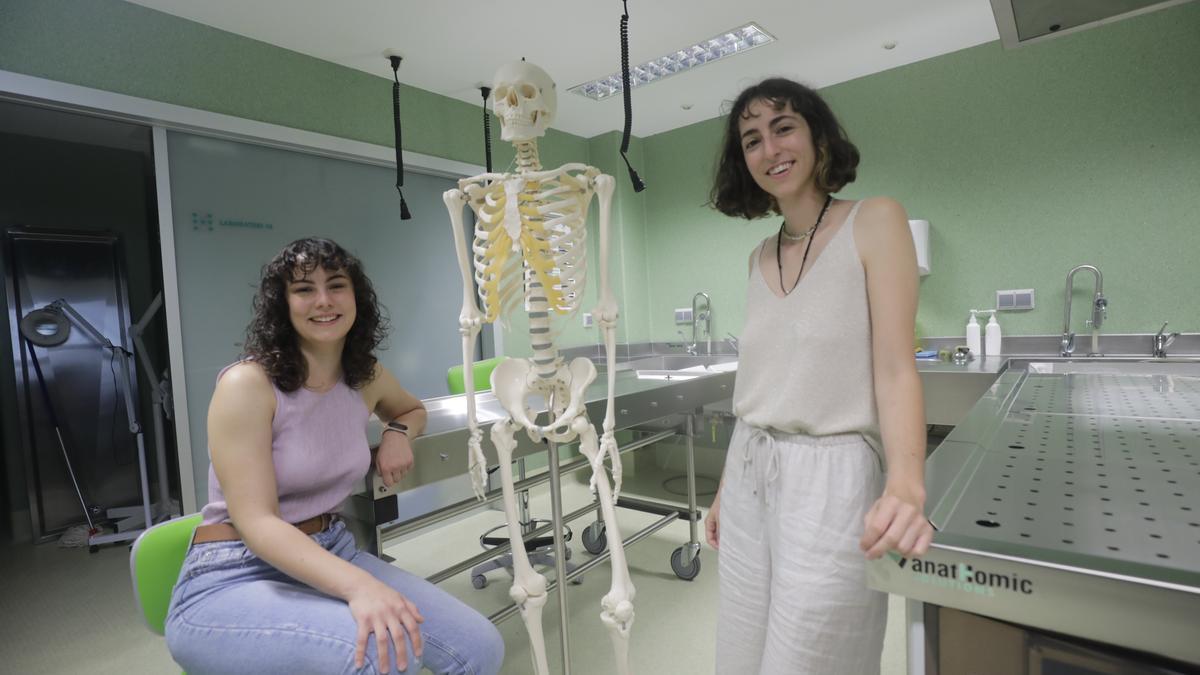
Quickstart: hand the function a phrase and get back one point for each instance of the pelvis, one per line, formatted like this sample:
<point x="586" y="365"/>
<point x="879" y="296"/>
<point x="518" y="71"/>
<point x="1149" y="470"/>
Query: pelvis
<point x="514" y="380"/>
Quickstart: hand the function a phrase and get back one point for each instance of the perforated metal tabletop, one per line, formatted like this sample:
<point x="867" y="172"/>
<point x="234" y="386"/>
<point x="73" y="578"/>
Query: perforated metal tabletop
<point x="1071" y="502"/>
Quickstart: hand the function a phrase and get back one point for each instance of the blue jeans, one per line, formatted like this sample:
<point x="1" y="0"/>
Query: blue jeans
<point x="232" y="612"/>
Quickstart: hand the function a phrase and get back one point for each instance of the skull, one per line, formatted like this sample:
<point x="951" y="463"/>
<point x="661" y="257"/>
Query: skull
<point x="525" y="101"/>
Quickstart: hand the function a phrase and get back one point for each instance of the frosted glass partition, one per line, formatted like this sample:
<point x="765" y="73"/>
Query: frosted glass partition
<point x="236" y="204"/>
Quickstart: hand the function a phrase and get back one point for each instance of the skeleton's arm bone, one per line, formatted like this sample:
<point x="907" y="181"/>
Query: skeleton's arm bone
<point x="606" y="309"/>
<point x="469" y="321"/>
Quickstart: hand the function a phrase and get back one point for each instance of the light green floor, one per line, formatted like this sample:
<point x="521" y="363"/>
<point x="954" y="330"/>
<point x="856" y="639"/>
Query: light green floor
<point x="676" y="619"/>
<point x="65" y="611"/>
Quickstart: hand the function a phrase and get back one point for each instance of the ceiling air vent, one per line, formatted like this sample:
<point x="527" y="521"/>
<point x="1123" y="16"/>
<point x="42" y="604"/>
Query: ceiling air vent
<point x="1025" y="21"/>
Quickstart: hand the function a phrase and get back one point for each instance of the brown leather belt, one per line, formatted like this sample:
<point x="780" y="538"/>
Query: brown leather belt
<point x="226" y="532"/>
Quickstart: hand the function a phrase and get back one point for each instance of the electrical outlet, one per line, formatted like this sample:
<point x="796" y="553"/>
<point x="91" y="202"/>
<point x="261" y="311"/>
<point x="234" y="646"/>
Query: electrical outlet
<point x="587" y="320"/>
<point x="1018" y="299"/>
<point x="683" y="315"/>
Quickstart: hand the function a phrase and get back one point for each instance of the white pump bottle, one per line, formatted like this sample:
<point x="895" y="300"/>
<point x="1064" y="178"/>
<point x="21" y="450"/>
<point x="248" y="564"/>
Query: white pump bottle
<point x="973" y="335"/>
<point x="992" y="344"/>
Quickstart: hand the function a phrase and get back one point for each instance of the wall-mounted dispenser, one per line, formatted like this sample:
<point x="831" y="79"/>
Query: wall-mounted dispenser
<point x="920" y="235"/>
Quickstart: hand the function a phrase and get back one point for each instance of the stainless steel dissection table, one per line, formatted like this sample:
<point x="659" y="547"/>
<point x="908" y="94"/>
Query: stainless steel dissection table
<point x="1069" y="501"/>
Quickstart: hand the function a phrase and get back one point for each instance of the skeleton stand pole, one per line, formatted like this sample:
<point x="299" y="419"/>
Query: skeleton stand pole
<point x="560" y="558"/>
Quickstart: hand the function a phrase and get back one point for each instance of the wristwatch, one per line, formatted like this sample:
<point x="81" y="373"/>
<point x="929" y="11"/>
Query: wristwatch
<point x="396" y="426"/>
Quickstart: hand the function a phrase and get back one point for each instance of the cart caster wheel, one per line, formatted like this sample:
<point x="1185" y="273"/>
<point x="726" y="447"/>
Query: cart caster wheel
<point x="479" y="581"/>
<point x="684" y="571"/>
<point x="595" y="544"/>
<point x="93" y="549"/>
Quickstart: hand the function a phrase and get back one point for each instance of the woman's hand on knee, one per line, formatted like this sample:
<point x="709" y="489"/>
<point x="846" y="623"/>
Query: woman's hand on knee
<point x="712" y="523"/>
<point x="379" y="609"/>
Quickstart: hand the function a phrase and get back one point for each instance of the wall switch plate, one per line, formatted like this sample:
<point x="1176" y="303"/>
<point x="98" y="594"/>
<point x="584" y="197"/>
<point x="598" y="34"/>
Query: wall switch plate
<point x="683" y="315"/>
<point x="1017" y="299"/>
<point x="588" y="322"/>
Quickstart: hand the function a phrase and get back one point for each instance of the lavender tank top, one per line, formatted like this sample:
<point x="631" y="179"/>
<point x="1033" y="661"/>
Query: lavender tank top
<point x="319" y="448"/>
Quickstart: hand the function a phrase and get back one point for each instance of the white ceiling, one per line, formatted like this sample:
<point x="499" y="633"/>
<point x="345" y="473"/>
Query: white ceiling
<point x="452" y="47"/>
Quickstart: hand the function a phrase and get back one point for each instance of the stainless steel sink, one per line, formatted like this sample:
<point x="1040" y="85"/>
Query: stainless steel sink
<point x="679" y="361"/>
<point x="668" y="361"/>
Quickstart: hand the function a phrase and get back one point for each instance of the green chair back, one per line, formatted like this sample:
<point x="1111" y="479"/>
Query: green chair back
<point x="483" y="376"/>
<point x="154" y="564"/>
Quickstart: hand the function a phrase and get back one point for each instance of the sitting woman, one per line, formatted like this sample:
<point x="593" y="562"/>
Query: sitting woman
<point x="273" y="582"/>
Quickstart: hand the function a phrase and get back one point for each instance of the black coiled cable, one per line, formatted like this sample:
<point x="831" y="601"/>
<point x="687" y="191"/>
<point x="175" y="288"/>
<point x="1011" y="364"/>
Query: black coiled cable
<point x="638" y="185"/>
<point x="487" y="129"/>
<point x="395" y="60"/>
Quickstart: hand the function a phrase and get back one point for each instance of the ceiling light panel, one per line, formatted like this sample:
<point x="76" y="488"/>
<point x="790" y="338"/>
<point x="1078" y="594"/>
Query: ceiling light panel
<point x="721" y="46"/>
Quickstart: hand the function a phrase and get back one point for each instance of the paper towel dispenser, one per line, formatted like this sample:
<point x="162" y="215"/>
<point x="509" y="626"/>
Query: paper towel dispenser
<point x="1024" y="21"/>
<point x="920" y="235"/>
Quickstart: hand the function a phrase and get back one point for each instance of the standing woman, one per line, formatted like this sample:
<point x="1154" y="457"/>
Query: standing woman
<point x="826" y="466"/>
<point x="273" y="582"/>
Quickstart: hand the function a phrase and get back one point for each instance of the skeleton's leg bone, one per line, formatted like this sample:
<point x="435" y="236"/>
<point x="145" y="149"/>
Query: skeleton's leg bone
<point x="616" y="608"/>
<point x="529" y="587"/>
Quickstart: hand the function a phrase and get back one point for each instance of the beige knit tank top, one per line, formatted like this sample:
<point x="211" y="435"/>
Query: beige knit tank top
<point x="805" y="359"/>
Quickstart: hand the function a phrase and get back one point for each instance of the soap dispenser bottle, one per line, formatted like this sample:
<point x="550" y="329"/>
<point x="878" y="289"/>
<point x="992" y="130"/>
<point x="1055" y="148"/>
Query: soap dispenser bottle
<point x="992" y="345"/>
<point x="973" y="335"/>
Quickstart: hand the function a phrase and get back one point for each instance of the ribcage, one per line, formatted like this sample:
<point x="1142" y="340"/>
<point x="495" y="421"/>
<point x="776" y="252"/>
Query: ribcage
<point x="551" y="246"/>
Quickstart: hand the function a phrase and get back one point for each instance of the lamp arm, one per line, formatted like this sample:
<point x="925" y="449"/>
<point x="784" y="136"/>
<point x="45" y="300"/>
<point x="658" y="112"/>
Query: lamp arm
<point x="75" y="317"/>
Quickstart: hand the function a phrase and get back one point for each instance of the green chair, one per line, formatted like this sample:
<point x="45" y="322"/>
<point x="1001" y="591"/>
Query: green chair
<point x="154" y="563"/>
<point x="483" y="376"/>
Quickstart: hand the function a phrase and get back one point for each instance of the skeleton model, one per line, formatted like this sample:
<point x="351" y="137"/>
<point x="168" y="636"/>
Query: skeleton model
<point x="530" y="246"/>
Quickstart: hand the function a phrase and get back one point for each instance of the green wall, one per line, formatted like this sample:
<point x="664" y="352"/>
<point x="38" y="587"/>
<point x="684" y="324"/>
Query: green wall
<point x="629" y="263"/>
<point x="1084" y="148"/>
<point x="129" y="49"/>
<point x="1081" y="149"/>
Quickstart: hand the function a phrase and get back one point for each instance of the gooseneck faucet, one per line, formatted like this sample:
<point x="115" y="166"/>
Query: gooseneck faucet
<point x="702" y="312"/>
<point x="1099" y="312"/>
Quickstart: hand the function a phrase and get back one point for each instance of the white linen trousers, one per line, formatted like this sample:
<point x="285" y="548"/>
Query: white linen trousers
<point x="793" y="586"/>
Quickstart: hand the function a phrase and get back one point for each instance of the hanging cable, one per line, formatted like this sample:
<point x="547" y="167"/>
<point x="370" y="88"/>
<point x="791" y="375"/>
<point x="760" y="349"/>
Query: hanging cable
<point x="395" y="60"/>
<point x="638" y="185"/>
<point x="487" y="129"/>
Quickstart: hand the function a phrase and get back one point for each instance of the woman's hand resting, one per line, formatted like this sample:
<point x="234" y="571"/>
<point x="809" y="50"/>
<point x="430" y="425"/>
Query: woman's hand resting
<point x="377" y="608"/>
<point x="896" y="522"/>
<point x="712" y="523"/>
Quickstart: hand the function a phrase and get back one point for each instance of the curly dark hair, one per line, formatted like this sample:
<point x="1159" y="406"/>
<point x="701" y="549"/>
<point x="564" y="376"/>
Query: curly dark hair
<point x="734" y="191"/>
<point x="271" y="337"/>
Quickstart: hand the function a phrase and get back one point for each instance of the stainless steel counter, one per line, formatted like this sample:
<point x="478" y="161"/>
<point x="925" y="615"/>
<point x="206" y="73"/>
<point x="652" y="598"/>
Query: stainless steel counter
<point x="441" y="452"/>
<point x="950" y="389"/>
<point x="668" y="384"/>
<point x="1069" y="500"/>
